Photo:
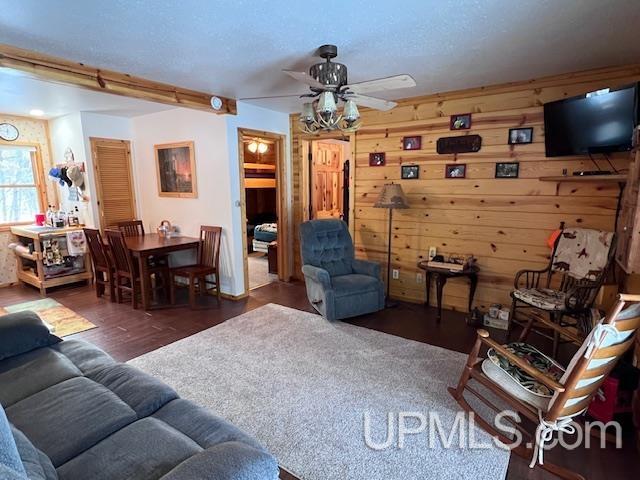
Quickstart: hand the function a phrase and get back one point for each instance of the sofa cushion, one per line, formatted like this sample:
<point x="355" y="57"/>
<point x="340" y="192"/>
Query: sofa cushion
<point x="70" y="417"/>
<point x="10" y="462"/>
<point x="143" y="393"/>
<point x="201" y="425"/>
<point x="22" y="332"/>
<point x="518" y="382"/>
<point x="84" y="355"/>
<point x="354" y="284"/>
<point x="227" y="461"/>
<point x="146" y="449"/>
<point x="29" y="373"/>
<point x="36" y="463"/>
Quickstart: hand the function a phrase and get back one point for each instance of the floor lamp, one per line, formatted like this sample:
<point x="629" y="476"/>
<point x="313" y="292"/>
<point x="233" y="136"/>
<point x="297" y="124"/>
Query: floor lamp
<point x="391" y="197"/>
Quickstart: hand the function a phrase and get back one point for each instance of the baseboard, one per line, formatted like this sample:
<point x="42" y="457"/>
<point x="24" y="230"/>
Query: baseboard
<point x="228" y="296"/>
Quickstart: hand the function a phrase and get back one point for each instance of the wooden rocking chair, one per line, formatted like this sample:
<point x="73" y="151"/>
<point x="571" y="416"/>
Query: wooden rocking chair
<point x="568" y="396"/>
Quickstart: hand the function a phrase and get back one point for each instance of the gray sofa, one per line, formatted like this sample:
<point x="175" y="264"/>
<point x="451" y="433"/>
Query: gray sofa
<point x="338" y="285"/>
<point x="74" y="413"/>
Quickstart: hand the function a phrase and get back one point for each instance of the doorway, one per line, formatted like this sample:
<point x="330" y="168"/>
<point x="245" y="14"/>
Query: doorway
<point x="328" y="179"/>
<point x="265" y="207"/>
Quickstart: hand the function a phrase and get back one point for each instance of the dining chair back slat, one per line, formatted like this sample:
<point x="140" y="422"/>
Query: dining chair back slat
<point x="132" y="228"/>
<point x="122" y="260"/>
<point x="209" y="251"/>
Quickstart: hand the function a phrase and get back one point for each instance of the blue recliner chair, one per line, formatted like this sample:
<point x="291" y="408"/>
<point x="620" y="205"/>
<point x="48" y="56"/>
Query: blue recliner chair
<point x="338" y="285"/>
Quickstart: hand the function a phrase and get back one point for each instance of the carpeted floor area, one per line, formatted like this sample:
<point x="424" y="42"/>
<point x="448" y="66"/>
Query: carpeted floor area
<point x="259" y="270"/>
<point x="302" y="385"/>
<point x="62" y="321"/>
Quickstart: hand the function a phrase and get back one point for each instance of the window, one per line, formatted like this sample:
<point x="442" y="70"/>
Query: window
<point x="20" y="197"/>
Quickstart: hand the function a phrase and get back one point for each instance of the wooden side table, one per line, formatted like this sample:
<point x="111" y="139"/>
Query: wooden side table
<point x="441" y="275"/>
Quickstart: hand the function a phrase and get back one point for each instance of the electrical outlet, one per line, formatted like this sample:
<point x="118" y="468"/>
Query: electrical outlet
<point x="419" y="277"/>
<point x="432" y="252"/>
<point x="395" y="273"/>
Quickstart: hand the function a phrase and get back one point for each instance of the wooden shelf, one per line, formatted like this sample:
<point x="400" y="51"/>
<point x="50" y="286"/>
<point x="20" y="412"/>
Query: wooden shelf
<point x="617" y="178"/>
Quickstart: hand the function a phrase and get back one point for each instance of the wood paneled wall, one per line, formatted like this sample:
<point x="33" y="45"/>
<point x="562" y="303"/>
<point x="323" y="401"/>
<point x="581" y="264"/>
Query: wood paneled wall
<point x="503" y="222"/>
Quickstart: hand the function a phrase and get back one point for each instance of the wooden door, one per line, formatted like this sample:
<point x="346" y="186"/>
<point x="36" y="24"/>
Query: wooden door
<point x="114" y="181"/>
<point x="326" y="180"/>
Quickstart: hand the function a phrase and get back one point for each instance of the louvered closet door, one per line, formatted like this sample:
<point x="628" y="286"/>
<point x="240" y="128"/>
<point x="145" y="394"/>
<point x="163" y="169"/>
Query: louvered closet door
<point x="114" y="181"/>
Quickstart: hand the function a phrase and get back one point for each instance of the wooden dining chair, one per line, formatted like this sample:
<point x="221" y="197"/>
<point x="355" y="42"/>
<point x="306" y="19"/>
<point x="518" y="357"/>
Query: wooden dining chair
<point x="132" y="228"/>
<point x="208" y="265"/>
<point x="126" y="278"/>
<point x="102" y="265"/>
<point x="538" y="388"/>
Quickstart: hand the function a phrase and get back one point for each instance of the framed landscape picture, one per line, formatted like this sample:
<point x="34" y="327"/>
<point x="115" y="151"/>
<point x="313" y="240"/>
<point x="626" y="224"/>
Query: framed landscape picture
<point x="176" y="168"/>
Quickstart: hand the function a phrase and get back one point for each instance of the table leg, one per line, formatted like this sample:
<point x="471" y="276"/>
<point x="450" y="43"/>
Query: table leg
<point x="473" y="283"/>
<point x="441" y="280"/>
<point x="427" y="284"/>
<point x="144" y="280"/>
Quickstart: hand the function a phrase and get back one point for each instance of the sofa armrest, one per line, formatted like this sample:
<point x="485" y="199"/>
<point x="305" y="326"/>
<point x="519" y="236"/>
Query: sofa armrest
<point x="365" y="267"/>
<point x="317" y="274"/>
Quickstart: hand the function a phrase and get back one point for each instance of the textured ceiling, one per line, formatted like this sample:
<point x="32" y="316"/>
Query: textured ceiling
<point x="237" y="48"/>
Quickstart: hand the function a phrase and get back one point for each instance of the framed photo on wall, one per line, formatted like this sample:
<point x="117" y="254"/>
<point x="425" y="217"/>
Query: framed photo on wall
<point x="377" y="159"/>
<point x="460" y="121"/>
<point x="520" y="135"/>
<point x="409" y="172"/>
<point x="412" y="143"/>
<point x="455" y="170"/>
<point x="176" y="169"/>
<point x="507" y="169"/>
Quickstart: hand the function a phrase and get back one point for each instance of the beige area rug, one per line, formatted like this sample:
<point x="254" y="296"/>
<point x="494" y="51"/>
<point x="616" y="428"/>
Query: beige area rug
<point x="62" y="321"/>
<point x="302" y="386"/>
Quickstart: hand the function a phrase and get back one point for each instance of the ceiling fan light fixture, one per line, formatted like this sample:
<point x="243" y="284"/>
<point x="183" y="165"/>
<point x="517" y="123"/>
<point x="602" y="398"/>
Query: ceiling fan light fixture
<point x="350" y="112"/>
<point x="326" y="104"/>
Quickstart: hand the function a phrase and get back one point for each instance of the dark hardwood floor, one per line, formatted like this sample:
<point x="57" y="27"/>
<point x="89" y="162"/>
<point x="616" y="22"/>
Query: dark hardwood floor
<point x="126" y="333"/>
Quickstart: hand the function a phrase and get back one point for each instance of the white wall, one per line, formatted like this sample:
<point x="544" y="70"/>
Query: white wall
<point x="255" y="118"/>
<point x="66" y="132"/>
<point x="213" y="206"/>
<point x="74" y="131"/>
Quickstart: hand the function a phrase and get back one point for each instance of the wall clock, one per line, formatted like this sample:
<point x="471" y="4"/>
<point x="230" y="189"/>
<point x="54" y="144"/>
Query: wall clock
<point x="8" y="132"/>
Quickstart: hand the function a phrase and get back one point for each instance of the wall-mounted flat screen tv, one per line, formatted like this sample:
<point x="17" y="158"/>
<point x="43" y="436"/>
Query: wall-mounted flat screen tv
<point x="598" y="122"/>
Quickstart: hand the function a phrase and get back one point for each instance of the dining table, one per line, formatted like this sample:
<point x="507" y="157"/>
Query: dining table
<point x="151" y="244"/>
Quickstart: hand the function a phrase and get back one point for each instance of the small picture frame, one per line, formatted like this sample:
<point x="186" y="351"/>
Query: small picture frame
<point x="377" y="159"/>
<point x="176" y="170"/>
<point x="460" y="121"/>
<point x="520" y="136"/>
<point x="455" y="170"/>
<point x="507" y="169"/>
<point x="412" y="143"/>
<point x="410" y="172"/>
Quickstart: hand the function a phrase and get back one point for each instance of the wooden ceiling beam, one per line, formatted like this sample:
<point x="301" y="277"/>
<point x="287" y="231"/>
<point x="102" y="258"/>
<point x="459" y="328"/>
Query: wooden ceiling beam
<point x="47" y="67"/>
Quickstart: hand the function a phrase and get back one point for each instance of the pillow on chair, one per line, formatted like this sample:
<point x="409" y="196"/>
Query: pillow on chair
<point x="22" y="332"/>
<point x="518" y="382"/>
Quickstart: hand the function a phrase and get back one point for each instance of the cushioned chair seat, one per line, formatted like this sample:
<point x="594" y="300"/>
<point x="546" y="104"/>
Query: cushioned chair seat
<point x="544" y="298"/>
<point x="516" y="381"/>
<point x="354" y="284"/>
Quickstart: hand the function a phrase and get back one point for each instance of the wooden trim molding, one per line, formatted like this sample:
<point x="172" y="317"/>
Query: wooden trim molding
<point x="55" y="69"/>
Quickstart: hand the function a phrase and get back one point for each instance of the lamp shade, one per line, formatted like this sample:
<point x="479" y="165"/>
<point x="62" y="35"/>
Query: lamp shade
<point x="391" y="196"/>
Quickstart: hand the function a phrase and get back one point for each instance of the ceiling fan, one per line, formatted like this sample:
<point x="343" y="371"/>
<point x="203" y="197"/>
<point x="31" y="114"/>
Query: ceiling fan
<point x="329" y="84"/>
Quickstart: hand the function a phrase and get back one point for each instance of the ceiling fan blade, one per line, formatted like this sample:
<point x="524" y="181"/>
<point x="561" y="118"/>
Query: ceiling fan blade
<point x="371" y="102"/>
<point x="299" y="95"/>
<point x="380" y="84"/>
<point x="304" y="78"/>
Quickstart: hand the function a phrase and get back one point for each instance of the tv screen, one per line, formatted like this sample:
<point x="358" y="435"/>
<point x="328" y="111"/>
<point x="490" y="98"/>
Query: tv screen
<point x="597" y="123"/>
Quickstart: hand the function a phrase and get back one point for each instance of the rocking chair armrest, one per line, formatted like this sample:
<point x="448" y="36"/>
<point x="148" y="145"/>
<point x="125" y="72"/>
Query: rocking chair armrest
<point x="525" y="271"/>
<point x="483" y="335"/>
<point x="581" y="296"/>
